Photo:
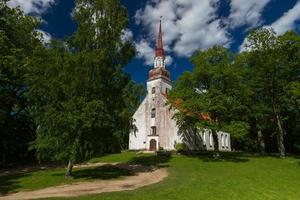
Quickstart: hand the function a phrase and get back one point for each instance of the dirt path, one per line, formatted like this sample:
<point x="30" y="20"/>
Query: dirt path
<point x="93" y="187"/>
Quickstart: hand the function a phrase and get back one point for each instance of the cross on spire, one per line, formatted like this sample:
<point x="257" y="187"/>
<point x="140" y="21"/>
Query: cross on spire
<point x="159" y="45"/>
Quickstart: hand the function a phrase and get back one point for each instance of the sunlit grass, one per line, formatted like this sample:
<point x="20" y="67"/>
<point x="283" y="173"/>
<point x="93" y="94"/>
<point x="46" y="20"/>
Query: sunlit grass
<point x="234" y="176"/>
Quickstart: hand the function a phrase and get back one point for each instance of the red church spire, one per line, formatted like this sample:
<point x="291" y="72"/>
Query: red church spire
<point x="159" y="45"/>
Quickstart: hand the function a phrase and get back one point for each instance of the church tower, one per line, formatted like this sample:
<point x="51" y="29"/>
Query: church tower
<point x="154" y="126"/>
<point x="153" y="122"/>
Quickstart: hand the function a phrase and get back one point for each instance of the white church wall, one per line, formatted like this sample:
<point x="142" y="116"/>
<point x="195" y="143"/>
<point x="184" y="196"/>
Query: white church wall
<point x="160" y="86"/>
<point x="165" y="125"/>
<point x="203" y="140"/>
<point x="138" y="138"/>
<point x="168" y="129"/>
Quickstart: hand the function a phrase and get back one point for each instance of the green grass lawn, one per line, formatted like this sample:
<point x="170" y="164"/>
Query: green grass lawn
<point x="52" y="177"/>
<point x="236" y="176"/>
<point x="118" y="157"/>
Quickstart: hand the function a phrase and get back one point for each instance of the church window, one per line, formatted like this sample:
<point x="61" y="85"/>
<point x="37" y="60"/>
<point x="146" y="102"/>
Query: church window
<point x="226" y="141"/>
<point x="153" y="90"/>
<point x="222" y="140"/>
<point x="153" y="113"/>
<point x="167" y="90"/>
<point x="210" y="139"/>
<point x="153" y="130"/>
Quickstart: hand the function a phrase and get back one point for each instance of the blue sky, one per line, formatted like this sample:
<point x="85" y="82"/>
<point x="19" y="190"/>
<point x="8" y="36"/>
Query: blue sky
<point x="188" y="25"/>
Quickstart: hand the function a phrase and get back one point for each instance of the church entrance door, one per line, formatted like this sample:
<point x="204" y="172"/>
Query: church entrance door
<point x="152" y="145"/>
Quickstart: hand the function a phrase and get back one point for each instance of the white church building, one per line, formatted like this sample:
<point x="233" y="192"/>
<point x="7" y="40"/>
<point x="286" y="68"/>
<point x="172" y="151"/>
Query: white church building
<point x="154" y="124"/>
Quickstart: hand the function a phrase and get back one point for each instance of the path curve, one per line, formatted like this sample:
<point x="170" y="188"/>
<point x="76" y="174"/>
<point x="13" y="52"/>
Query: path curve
<point x="93" y="187"/>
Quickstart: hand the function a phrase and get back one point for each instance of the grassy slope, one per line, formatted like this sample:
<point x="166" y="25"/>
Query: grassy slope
<point x="242" y="177"/>
<point x="51" y="177"/>
<point x="46" y="178"/>
<point x="236" y="177"/>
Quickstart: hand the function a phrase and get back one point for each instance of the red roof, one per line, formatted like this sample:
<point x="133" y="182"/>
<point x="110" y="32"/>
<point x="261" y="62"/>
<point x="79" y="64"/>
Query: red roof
<point x="200" y="115"/>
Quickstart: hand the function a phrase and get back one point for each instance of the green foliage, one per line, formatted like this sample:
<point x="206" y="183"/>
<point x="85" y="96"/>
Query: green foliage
<point x="164" y="153"/>
<point x="181" y="147"/>
<point x="213" y="88"/>
<point x="253" y="95"/>
<point x="18" y="39"/>
<point x="81" y="99"/>
<point x="273" y="76"/>
<point x="237" y="129"/>
<point x="76" y="91"/>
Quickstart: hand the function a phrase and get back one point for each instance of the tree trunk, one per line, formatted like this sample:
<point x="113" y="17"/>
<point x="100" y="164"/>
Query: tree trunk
<point x="280" y="132"/>
<point x="216" y="144"/>
<point x="280" y="139"/>
<point x="260" y="142"/>
<point x="69" y="169"/>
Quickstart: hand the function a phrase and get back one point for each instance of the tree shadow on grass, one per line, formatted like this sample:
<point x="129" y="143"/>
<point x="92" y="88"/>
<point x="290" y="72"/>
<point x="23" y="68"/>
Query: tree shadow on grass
<point x="102" y="172"/>
<point x="296" y="156"/>
<point x="224" y="157"/>
<point x="135" y="165"/>
<point x="153" y="160"/>
<point x="111" y="171"/>
<point x="11" y="182"/>
<point x="235" y="157"/>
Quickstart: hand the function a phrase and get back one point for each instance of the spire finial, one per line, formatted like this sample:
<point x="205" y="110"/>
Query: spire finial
<point x="159" y="46"/>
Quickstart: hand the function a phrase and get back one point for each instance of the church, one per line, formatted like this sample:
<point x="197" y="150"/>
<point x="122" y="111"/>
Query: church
<point x="153" y="122"/>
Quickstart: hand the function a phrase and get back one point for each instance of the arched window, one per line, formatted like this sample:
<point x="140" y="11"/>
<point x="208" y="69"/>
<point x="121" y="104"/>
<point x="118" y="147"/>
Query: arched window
<point x="210" y="139"/>
<point x="222" y="140"/>
<point x="153" y="130"/>
<point x="204" y="139"/>
<point x="153" y="113"/>
<point x="226" y="141"/>
<point x="153" y="90"/>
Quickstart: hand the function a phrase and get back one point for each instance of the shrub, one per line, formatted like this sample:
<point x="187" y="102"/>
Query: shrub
<point x="181" y="147"/>
<point x="163" y="153"/>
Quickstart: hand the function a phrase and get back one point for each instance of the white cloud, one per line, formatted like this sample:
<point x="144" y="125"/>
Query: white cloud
<point x="285" y="23"/>
<point x="126" y="35"/>
<point x="246" y="12"/>
<point x="168" y="60"/>
<point x="31" y="6"/>
<point x="145" y="51"/>
<point x="187" y="25"/>
<point x="288" y="20"/>
<point x="45" y="36"/>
